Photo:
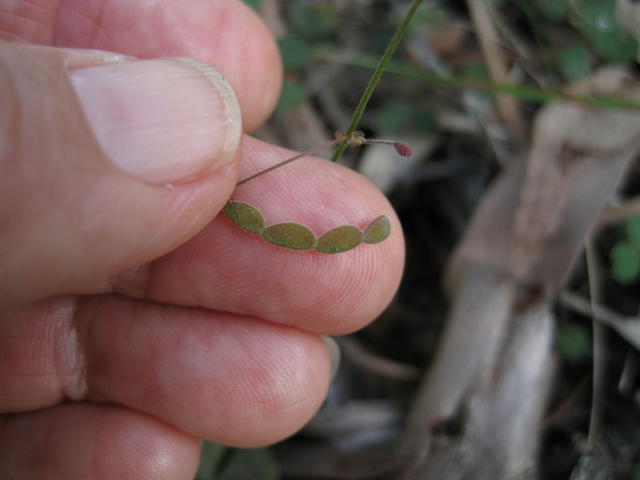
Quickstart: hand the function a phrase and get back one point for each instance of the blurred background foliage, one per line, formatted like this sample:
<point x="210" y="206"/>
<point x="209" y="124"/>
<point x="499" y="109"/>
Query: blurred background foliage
<point x="436" y="93"/>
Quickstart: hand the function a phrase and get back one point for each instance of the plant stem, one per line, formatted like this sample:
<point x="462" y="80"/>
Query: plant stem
<point x="599" y="349"/>
<point x="377" y="74"/>
<point x="525" y="92"/>
<point x="289" y="160"/>
<point x="356" y="139"/>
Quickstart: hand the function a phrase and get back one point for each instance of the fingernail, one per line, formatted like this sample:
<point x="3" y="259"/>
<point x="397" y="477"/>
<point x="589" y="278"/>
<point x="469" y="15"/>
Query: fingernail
<point x="162" y="121"/>
<point x="334" y="353"/>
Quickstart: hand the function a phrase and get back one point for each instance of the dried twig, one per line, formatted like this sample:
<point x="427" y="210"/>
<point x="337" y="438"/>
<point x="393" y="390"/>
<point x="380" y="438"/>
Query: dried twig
<point x="471" y="383"/>
<point x="627" y="327"/>
<point x="621" y="212"/>
<point x="489" y="41"/>
<point x="350" y="347"/>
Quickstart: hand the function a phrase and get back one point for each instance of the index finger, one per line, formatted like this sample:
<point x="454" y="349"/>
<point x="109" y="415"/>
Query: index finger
<point x="227" y="269"/>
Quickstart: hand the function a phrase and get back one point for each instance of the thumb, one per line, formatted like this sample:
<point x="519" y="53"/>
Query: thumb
<point x="106" y="163"/>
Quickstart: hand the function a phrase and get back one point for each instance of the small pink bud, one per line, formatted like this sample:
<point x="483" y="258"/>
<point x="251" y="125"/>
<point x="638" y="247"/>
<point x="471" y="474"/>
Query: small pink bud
<point x="403" y="149"/>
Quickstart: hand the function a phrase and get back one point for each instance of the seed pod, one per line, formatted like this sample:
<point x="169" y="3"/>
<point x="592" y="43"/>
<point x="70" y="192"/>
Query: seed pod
<point x="298" y="237"/>
<point x="378" y="230"/>
<point x="339" y="239"/>
<point x="290" y="235"/>
<point x="246" y="216"/>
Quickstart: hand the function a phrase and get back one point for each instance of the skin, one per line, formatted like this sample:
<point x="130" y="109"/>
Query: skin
<point x="199" y="330"/>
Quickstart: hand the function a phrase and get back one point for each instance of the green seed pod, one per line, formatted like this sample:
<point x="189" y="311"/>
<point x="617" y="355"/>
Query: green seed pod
<point x="245" y="216"/>
<point x="290" y="235"/>
<point x="298" y="237"/>
<point x="378" y="230"/>
<point x="339" y="239"/>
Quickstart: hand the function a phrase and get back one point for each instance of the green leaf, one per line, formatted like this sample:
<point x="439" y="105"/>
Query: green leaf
<point x="378" y="230"/>
<point x="210" y="457"/>
<point x="574" y="62"/>
<point x="597" y="21"/>
<point x="295" y="51"/>
<point x="255" y="4"/>
<point x="393" y="116"/>
<point x="339" y="239"/>
<point x="396" y="116"/>
<point x="632" y="228"/>
<point x="291" y="96"/>
<point x="251" y="464"/>
<point x="572" y="341"/>
<point x="423" y="120"/>
<point x="625" y="262"/>
<point x="245" y="216"/>
<point x="290" y="235"/>
<point x="313" y="19"/>
<point x="554" y="10"/>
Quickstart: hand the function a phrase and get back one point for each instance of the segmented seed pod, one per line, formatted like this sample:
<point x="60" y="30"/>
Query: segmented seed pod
<point x="246" y="216"/>
<point x="299" y="237"/>
<point x="339" y="239"/>
<point x="378" y="230"/>
<point x="290" y="235"/>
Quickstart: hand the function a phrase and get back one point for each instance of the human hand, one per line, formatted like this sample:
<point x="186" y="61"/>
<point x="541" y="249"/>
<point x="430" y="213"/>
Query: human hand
<point x="134" y="320"/>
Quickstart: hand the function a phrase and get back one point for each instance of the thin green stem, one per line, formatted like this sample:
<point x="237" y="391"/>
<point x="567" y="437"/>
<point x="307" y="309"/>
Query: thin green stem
<point x="377" y="74"/>
<point x="524" y="92"/>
